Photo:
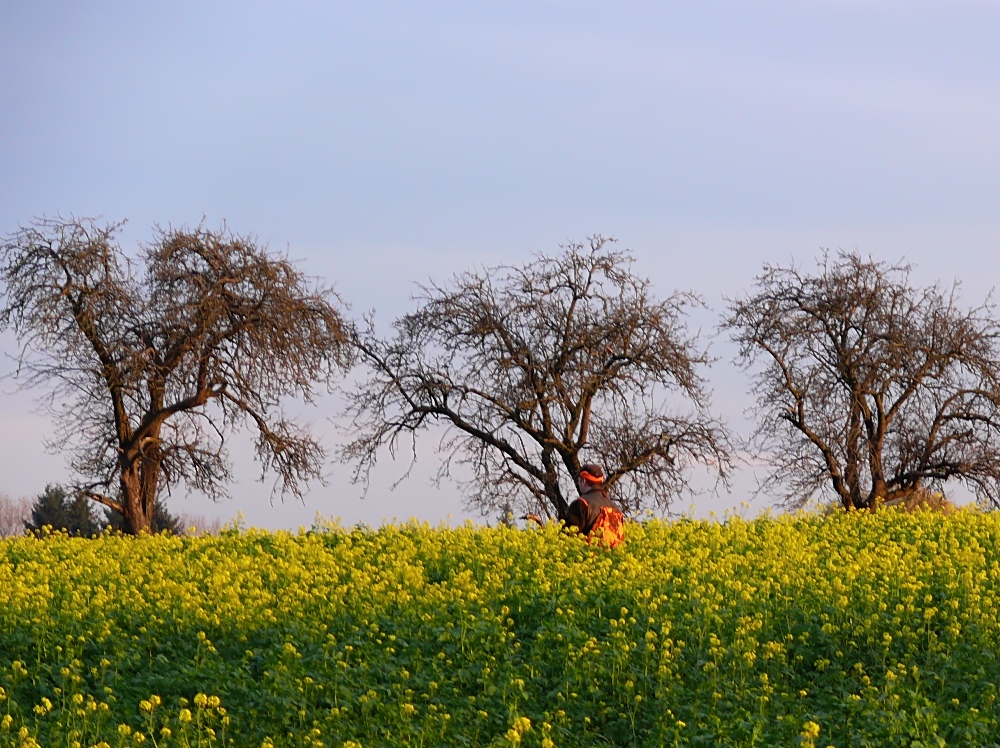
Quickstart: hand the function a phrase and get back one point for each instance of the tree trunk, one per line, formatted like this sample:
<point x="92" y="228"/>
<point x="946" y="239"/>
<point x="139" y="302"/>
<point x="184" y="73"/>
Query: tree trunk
<point x="555" y="497"/>
<point x="550" y="482"/>
<point x="879" y="494"/>
<point x="138" y="504"/>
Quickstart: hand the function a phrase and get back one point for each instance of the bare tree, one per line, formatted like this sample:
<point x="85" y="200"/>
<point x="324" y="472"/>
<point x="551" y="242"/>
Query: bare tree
<point x="198" y="524"/>
<point x="528" y="367"/>
<point x="149" y="362"/>
<point x="13" y="514"/>
<point x="868" y="387"/>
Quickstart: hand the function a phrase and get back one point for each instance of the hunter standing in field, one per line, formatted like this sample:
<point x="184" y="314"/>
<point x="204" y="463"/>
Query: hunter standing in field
<point x="594" y="514"/>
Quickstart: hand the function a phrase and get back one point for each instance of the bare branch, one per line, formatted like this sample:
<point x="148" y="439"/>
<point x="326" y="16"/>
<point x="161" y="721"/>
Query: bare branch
<point x="528" y="369"/>
<point x="145" y="372"/>
<point x="868" y="387"/>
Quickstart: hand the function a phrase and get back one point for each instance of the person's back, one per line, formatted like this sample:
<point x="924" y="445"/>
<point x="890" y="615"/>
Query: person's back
<point x="594" y="514"/>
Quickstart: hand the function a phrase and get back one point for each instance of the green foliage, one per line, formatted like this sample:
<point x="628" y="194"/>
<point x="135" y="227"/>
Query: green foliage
<point x="852" y="630"/>
<point x="56" y="509"/>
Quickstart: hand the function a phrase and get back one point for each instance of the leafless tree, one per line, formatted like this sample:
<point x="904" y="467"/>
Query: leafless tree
<point x="13" y="514"/>
<point x="199" y="524"/>
<point x="530" y="367"/>
<point x="868" y="387"/>
<point x="149" y="362"/>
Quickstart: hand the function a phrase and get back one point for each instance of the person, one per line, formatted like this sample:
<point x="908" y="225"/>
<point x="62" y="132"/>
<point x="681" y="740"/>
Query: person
<point x="593" y="513"/>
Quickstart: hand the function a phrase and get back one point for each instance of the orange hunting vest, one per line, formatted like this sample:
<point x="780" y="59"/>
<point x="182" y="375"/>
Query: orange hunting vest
<point x="598" y="519"/>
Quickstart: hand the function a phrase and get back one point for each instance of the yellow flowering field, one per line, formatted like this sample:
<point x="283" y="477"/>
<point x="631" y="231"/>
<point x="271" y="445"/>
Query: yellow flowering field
<point x="851" y="630"/>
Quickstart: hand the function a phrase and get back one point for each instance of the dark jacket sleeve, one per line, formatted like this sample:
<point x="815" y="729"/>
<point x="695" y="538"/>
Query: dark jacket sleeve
<point x="577" y="515"/>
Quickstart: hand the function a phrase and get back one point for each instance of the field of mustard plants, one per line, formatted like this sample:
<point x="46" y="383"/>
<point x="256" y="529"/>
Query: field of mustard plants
<point x="852" y="630"/>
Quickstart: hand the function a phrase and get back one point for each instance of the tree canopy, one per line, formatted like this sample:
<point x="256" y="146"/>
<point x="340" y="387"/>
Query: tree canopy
<point x="867" y="386"/>
<point x="149" y="361"/>
<point x="532" y="370"/>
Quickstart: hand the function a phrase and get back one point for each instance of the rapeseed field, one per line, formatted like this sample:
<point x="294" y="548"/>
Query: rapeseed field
<point x="849" y="630"/>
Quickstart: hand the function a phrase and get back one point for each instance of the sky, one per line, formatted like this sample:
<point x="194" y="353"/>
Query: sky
<point x="388" y="143"/>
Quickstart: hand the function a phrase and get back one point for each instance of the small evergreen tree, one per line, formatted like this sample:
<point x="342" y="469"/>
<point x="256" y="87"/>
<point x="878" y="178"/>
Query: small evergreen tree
<point x="60" y="511"/>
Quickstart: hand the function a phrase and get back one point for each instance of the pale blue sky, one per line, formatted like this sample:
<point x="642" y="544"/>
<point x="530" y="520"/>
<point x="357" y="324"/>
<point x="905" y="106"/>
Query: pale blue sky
<point x="384" y="143"/>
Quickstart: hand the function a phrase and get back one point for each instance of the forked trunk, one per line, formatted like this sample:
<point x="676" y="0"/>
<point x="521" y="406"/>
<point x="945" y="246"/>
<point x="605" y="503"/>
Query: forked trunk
<point x="137" y="500"/>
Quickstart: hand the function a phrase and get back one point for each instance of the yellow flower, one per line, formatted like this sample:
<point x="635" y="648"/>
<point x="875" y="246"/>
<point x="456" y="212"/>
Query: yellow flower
<point x="810" y="730"/>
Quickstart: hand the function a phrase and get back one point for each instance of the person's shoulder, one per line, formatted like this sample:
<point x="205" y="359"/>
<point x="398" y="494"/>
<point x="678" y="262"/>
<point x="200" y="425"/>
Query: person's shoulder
<point x="596" y="498"/>
<point x="601" y="499"/>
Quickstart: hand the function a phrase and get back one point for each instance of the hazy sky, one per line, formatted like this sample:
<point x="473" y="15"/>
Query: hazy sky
<point x="384" y="143"/>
